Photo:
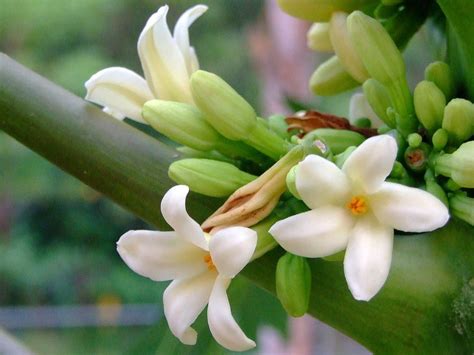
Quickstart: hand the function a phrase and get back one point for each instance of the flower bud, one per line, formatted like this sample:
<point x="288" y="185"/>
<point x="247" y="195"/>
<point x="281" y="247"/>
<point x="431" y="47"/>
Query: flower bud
<point x="188" y="152"/>
<point x="330" y="78"/>
<point x="228" y="112"/>
<point x="458" y="120"/>
<point x="318" y="37"/>
<point x="344" y="49"/>
<point x="182" y="123"/>
<point x="265" y="241"/>
<point x="434" y="188"/>
<point x="341" y="158"/>
<point x="462" y="206"/>
<point x="429" y="105"/>
<point x="459" y="165"/>
<point x="293" y="284"/>
<point x="439" y="139"/>
<point x="209" y="177"/>
<point x="338" y="140"/>
<point x="440" y="74"/>
<point x="291" y="182"/>
<point x="414" y="140"/>
<point x="379" y="99"/>
<point x="417" y="158"/>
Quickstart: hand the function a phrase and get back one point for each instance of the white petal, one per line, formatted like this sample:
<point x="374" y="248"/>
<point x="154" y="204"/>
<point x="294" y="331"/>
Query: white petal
<point x="173" y="208"/>
<point x="408" y="209"/>
<point x="162" y="61"/>
<point x="359" y="107"/>
<point x="231" y="249"/>
<point x="320" y="182"/>
<point x="160" y="255"/>
<point x="368" y="257"/>
<point x="181" y="35"/>
<point x="183" y="301"/>
<point x="222" y="324"/>
<point x="370" y="164"/>
<point x="317" y="233"/>
<point x="120" y="90"/>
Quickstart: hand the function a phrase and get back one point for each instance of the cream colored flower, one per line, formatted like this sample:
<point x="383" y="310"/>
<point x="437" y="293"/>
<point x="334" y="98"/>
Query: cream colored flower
<point x="354" y="208"/>
<point x="200" y="265"/>
<point x="167" y="61"/>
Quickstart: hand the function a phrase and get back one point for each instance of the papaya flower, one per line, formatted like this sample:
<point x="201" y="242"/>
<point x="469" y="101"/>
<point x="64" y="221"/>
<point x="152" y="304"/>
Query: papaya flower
<point x="167" y="61"/>
<point x="200" y="265"/>
<point x="354" y="208"/>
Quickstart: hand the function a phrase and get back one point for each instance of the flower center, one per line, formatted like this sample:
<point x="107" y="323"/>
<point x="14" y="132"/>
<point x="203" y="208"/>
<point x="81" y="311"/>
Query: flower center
<point x="208" y="262"/>
<point x="357" y="205"/>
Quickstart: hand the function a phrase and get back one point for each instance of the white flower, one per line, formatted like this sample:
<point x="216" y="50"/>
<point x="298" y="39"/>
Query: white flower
<point x="354" y="208"/>
<point x="168" y="62"/>
<point x="201" y="266"/>
<point x="359" y="107"/>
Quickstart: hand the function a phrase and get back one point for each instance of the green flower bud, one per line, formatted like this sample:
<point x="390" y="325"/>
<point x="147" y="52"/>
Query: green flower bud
<point x="440" y="74"/>
<point x="293" y="284"/>
<point x="330" y="78"/>
<point x="398" y="170"/>
<point x="417" y="158"/>
<point x="318" y="37"/>
<point x="459" y="165"/>
<point x="440" y="139"/>
<point x="434" y="188"/>
<point x="228" y="112"/>
<point x="363" y="122"/>
<point x="341" y="158"/>
<point x="462" y="206"/>
<point x="344" y="49"/>
<point x="265" y="241"/>
<point x="320" y="10"/>
<point x="429" y="105"/>
<point x="278" y="125"/>
<point x="414" y="140"/>
<point x="182" y="123"/>
<point x="188" y="152"/>
<point x="209" y="177"/>
<point x="458" y="120"/>
<point x="291" y="182"/>
<point x="338" y="140"/>
<point x="379" y="99"/>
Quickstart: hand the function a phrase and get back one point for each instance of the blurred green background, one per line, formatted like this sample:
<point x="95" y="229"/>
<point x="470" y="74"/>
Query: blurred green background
<point x="57" y="236"/>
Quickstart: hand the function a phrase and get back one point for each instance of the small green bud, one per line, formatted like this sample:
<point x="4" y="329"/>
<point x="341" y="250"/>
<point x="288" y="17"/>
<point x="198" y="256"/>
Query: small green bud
<point x="338" y="140"/>
<point x="417" y="158"/>
<point x="434" y="188"/>
<point x="291" y="182"/>
<point x="182" y="123"/>
<point x="228" y="112"/>
<point x="440" y="74"/>
<point x="363" y="123"/>
<point x="293" y="284"/>
<point x="429" y="105"/>
<point x="341" y="158"/>
<point x="458" y="120"/>
<point x="330" y="78"/>
<point x="398" y="170"/>
<point x="462" y="206"/>
<point x="414" y="140"/>
<point x="188" y="152"/>
<point x="318" y="37"/>
<point x="344" y="49"/>
<point x="209" y="177"/>
<point x="278" y="125"/>
<point x="440" y="139"/>
<point x="459" y="165"/>
<point x="379" y="99"/>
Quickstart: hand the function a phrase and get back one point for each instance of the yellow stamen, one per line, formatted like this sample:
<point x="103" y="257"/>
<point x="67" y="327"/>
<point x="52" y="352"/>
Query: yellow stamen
<point x="357" y="205"/>
<point x="209" y="263"/>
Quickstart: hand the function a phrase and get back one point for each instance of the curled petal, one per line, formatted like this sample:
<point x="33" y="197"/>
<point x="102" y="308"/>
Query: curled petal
<point x="222" y="324"/>
<point x="321" y="232"/>
<point x="368" y="257"/>
<point x="173" y="208"/>
<point x="183" y="301"/>
<point x="370" y="164"/>
<point x="408" y="209"/>
<point x="320" y="182"/>
<point x="181" y="35"/>
<point x="121" y="91"/>
<point x="162" y="61"/>
<point x="160" y="255"/>
<point x="231" y="249"/>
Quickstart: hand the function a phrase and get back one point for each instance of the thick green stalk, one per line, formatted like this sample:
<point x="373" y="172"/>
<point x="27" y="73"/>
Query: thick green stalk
<point x="426" y="306"/>
<point x="460" y="44"/>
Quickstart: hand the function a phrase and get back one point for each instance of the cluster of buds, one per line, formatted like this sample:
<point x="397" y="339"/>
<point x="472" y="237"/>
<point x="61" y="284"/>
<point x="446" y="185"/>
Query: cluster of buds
<point x="318" y="185"/>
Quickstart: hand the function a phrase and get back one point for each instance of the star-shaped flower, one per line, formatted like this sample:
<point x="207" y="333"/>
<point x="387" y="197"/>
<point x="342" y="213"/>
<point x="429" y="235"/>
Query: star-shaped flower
<point x="200" y="265"/>
<point x="167" y="61"/>
<point x="354" y="208"/>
